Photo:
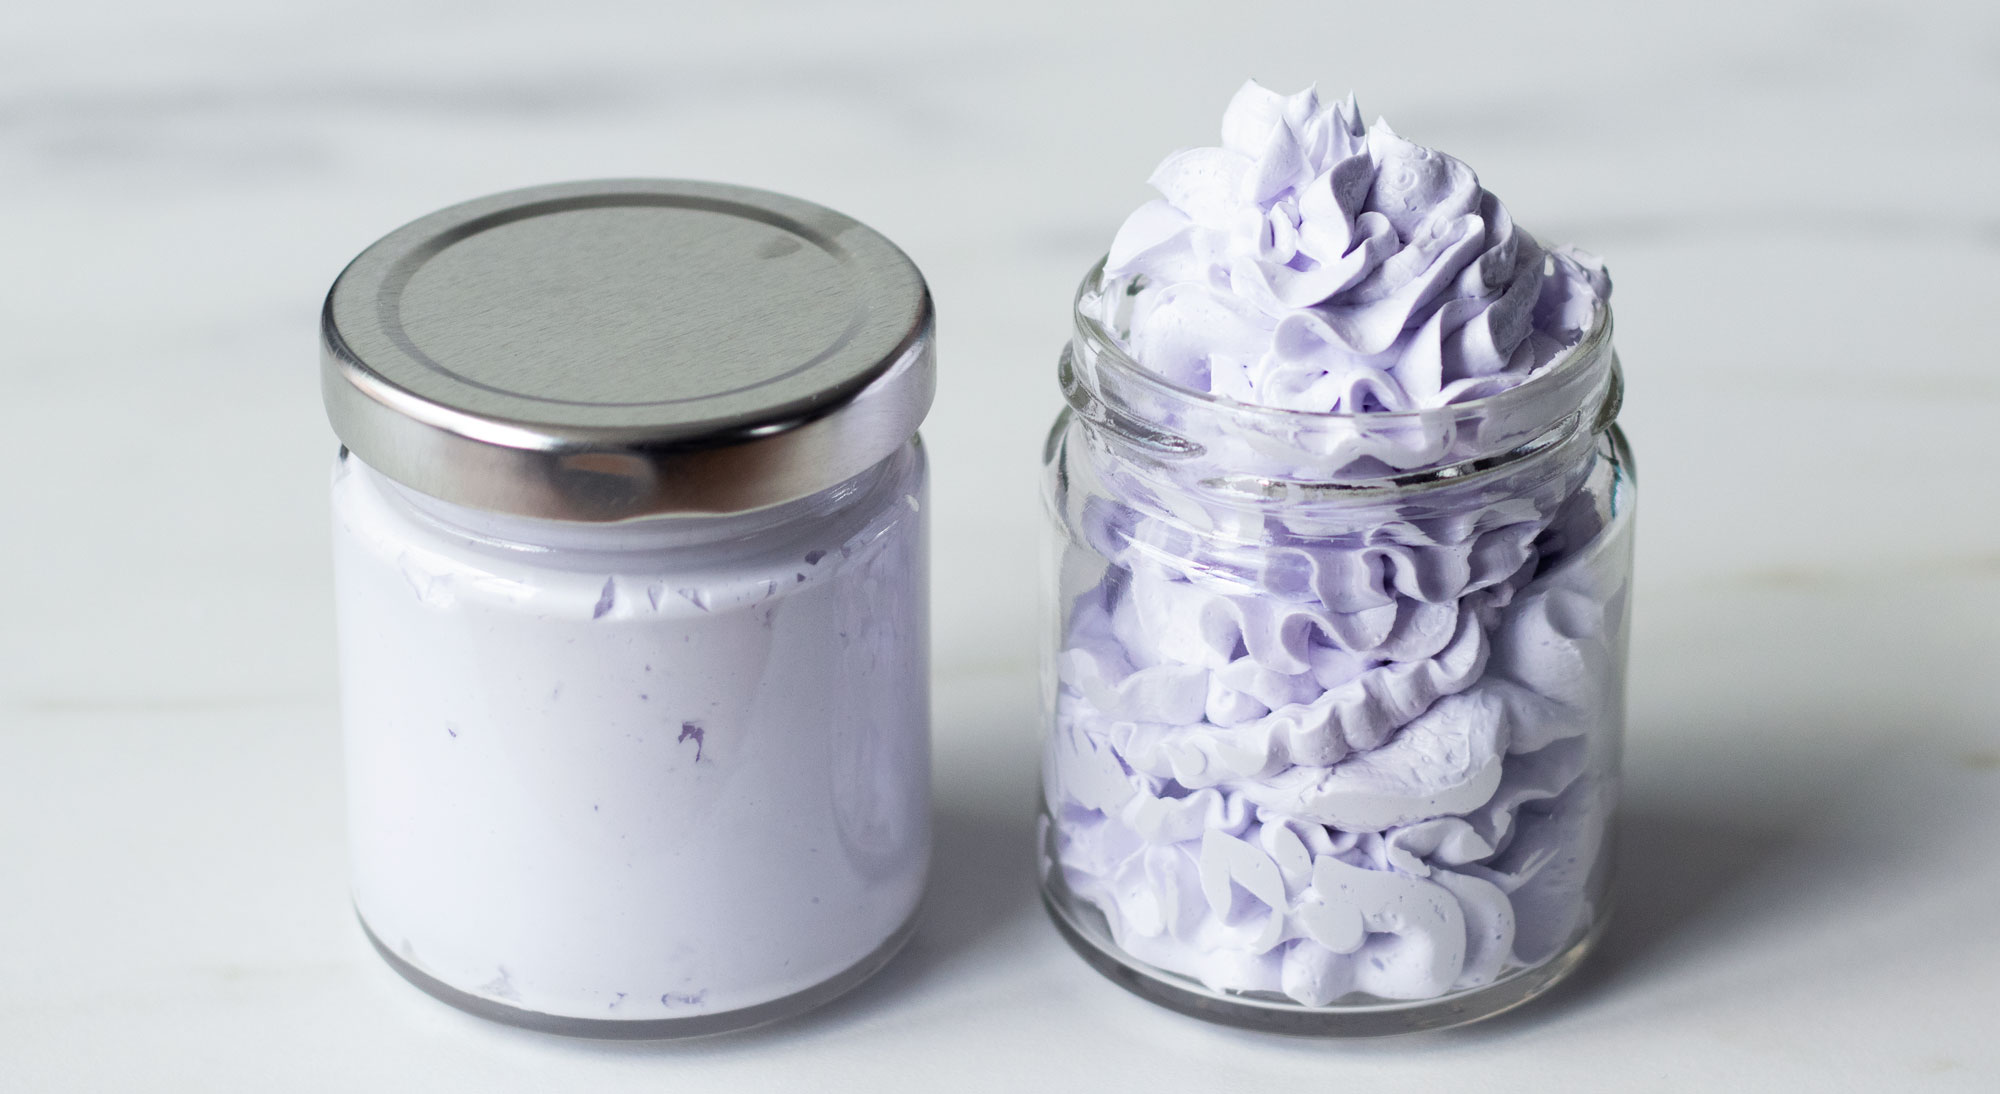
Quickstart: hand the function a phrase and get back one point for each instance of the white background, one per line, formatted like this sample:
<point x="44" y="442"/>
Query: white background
<point x="1800" y="205"/>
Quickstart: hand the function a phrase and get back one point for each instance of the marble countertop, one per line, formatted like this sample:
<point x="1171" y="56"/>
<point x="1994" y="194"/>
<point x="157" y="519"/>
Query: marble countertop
<point x="1798" y="202"/>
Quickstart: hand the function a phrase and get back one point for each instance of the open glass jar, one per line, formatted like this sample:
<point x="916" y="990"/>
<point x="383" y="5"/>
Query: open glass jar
<point x="1335" y="701"/>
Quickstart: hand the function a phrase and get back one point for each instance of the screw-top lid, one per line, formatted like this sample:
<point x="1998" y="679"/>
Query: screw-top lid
<point x="617" y="349"/>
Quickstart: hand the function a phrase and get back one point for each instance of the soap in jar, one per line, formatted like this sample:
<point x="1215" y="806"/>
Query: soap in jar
<point x="630" y="569"/>
<point x="1343" y="558"/>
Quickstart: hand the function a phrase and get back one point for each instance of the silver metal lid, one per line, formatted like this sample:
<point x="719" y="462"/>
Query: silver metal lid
<point x="617" y="349"/>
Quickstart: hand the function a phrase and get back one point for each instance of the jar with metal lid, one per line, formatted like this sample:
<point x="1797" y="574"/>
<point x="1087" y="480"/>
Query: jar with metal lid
<point x="630" y="568"/>
<point x="1336" y="700"/>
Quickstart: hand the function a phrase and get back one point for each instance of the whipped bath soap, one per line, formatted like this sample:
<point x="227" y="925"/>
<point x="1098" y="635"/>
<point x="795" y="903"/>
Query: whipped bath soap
<point x="630" y="573"/>
<point x="1342" y="571"/>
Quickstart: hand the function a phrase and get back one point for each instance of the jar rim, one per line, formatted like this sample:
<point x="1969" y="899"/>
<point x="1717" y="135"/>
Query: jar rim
<point x="1104" y="348"/>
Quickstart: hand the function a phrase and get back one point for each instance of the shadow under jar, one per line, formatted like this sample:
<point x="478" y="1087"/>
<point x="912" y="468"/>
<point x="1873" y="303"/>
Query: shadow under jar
<point x="630" y="574"/>
<point x="1335" y="701"/>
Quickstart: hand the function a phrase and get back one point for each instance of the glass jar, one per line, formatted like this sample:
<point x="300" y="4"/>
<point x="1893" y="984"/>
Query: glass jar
<point x="1335" y="701"/>
<point x="630" y="573"/>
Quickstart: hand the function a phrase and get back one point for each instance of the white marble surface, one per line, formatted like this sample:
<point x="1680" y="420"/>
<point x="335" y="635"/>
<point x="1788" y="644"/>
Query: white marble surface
<point x="1801" y="205"/>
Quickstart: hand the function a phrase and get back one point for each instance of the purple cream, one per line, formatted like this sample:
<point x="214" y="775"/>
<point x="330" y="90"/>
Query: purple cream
<point x="1313" y="264"/>
<point x="1338" y="695"/>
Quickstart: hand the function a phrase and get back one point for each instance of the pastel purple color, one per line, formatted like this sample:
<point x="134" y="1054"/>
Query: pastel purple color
<point x="1340" y="755"/>
<point x="1311" y="263"/>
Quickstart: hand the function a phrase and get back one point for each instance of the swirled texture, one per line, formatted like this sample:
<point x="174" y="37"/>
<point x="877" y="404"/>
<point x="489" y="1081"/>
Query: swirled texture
<point x="1261" y="801"/>
<point x="1339" y="751"/>
<point x="1311" y="263"/>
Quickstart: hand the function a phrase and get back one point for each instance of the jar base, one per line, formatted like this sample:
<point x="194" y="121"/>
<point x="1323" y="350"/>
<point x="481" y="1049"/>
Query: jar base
<point x="1387" y="1018"/>
<point x="653" y="1029"/>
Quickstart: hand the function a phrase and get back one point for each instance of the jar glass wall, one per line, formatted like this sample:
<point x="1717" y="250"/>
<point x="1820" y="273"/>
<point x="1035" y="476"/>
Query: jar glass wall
<point x="651" y="778"/>
<point x="1335" y="701"/>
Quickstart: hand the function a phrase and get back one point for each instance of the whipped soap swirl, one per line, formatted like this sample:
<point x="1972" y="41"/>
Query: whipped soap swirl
<point x="1341" y="750"/>
<point x="1312" y="263"/>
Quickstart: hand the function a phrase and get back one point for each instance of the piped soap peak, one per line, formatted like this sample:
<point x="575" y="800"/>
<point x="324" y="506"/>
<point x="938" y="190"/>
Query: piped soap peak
<point x="1315" y="263"/>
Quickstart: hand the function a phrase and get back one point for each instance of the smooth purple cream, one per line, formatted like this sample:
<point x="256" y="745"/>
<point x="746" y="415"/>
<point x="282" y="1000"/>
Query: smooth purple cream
<point x="630" y="564"/>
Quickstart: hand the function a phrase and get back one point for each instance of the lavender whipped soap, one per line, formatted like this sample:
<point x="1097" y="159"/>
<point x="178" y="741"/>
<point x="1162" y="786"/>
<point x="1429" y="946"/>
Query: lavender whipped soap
<point x="630" y="573"/>
<point x="1343" y="573"/>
